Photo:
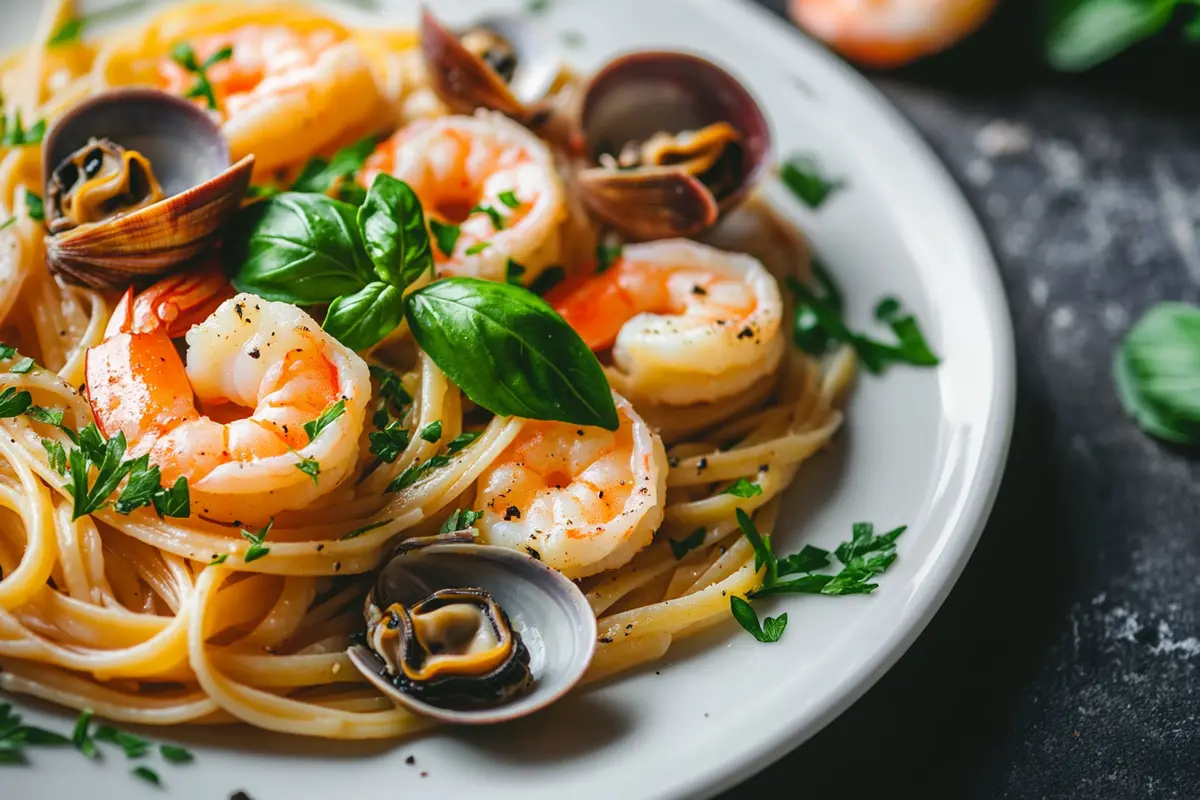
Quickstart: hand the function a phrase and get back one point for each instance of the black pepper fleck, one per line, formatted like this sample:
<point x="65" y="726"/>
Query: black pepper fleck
<point x="254" y="353"/>
<point x="511" y="513"/>
<point x="410" y="760"/>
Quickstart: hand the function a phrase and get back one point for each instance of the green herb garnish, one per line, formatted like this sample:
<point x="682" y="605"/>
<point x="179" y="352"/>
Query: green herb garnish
<point x="513" y="272"/>
<point x="803" y="175"/>
<point x="56" y="456"/>
<point x="13" y="132"/>
<point x="606" y="256"/>
<point x="309" y="466"/>
<point x="769" y="631"/>
<point x="460" y="520"/>
<point x="327" y="418"/>
<point x="744" y="488"/>
<point x="81" y="735"/>
<point x="33" y="204"/>
<point x="1157" y="373"/>
<point x="175" y="754"/>
<point x="183" y="55"/>
<point x="493" y="214"/>
<point x="681" y="547"/>
<point x="461" y="441"/>
<point x="14" y="403"/>
<point x="72" y="29"/>
<point x="46" y="416"/>
<point x="320" y="176"/>
<point x="221" y="559"/>
<point x="147" y="774"/>
<point x="432" y="432"/>
<point x="22" y="366"/>
<point x="478" y="248"/>
<point x="547" y="280"/>
<point x="445" y="234"/>
<point x="389" y="443"/>
<point x="509" y="199"/>
<point x="354" y="534"/>
<point x="414" y="473"/>
<point x="257" y="549"/>
<point x="134" y="746"/>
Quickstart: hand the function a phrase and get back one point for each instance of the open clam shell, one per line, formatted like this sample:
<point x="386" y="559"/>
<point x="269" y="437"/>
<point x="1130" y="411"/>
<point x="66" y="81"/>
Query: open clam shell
<point x="190" y="161"/>
<point x="499" y="63"/>
<point x="634" y="100"/>
<point x="555" y="623"/>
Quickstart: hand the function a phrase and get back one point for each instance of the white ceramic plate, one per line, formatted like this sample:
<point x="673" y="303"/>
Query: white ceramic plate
<point x="922" y="447"/>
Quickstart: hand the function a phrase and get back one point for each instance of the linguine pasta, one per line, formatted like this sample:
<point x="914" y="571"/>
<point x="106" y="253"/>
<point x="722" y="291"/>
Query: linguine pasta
<point x="129" y="616"/>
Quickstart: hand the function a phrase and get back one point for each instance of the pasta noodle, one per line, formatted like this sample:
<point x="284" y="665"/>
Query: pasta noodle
<point x="125" y="614"/>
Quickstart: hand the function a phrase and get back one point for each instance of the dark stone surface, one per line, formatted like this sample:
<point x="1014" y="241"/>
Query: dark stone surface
<point x="1066" y="662"/>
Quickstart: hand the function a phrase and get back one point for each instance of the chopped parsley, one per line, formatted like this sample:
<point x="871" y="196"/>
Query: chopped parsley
<point x="81" y="735"/>
<point x="221" y="559"/>
<point x="819" y="320"/>
<point x="460" y="520"/>
<point x="391" y="388"/>
<point x="147" y="774"/>
<point x="327" y="418"/>
<point x="607" y="255"/>
<point x="509" y="199"/>
<point x="432" y="432"/>
<point x="414" y="473"/>
<point x="134" y="746"/>
<point x="445" y="234"/>
<point x="13" y="132"/>
<point x="681" y="547"/>
<point x="744" y="488"/>
<point x="550" y="277"/>
<point x="389" y="443"/>
<point x="513" y="272"/>
<point x="23" y="366"/>
<point x="803" y="175"/>
<point x="461" y="441"/>
<point x="33" y="203"/>
<point x="478" y="248"/>
<point x="309" y="466"/>
<point x="354" y="534"/>
<point x="185" y="56"/>
<point x="769" y="631"/>
<point x="257" y="549"/>
<point x="46" y="416"/>
<point x="56" y="456"/>
<point x="72" y="28"/>
<point x="110" y="470"/>
<point x="175" y="754"/>
<point x="493" y="214"/>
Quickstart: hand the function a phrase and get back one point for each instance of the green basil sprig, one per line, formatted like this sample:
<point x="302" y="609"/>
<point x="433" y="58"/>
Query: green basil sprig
<point x="502" y="345"/>
<point x="1157" y="372"/>
<point x="508" y="351"/>
<point x="1084" y="33"/>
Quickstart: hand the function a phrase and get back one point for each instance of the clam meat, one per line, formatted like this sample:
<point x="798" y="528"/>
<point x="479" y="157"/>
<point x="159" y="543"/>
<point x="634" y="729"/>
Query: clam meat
<point x="98" y="181"/>
<point x="473" y="634"/>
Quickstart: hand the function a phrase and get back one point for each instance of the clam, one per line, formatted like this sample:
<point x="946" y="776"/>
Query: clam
<point x="499" y="63"/>
<point x="138" y="182"/>
<point x="675" y="140"/>
<point x="473" y="634"/>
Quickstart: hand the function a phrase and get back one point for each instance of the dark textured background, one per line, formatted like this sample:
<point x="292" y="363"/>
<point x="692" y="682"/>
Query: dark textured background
<point x="1066" y="662"/>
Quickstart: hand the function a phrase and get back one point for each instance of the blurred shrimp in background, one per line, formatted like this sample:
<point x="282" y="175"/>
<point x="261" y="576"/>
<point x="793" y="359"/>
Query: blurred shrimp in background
<point x="888" y="33"/>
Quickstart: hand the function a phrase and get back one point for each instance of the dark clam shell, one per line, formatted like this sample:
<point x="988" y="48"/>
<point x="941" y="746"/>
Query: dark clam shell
<point x="189" y="158"/>
<point x="641" y="94"/>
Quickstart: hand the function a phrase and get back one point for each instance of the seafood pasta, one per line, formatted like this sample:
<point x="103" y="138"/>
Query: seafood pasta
<point x="275" y="343"/>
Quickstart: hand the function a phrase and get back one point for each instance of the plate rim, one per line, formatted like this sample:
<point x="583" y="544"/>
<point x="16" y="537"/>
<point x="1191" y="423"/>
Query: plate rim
<point x="965" y="532"/>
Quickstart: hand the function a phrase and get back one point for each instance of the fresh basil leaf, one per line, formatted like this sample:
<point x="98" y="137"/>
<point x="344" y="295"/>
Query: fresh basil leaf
<point x="394" y="233"/>
<point x="14" y="403"/>
<point x="445" y="234"/>
<point x="361" y="320"/>
<point x="509" y="352"/>
<point x="681" y="547"/>
<point x="806" y="179"/>
<point x="1084" y="33"/>
<point x="1157" y="373"/>
<point x="327" y="418"/>
<point x="298" y="248"/>
<point x="432" y="432"/>
<point x="744" y="488"/>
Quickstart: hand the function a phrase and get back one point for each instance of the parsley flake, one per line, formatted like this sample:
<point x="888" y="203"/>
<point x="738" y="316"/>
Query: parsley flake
<point x="681" y="547"/>
<point x="744" y="488"/>
<point x="445" y="234"/>
<point x="327" y="418"/>
<point x="432" y="432"/>
<point x="257" y="549"/>
<point x="14" y="403"/>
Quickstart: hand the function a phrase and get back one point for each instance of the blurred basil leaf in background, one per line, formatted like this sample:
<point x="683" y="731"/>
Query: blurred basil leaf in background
<point x="1084" y="33"/>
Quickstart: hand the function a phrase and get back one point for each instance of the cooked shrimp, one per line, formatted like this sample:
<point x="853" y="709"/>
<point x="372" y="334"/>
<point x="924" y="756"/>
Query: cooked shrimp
<point x="583" y="499"/>
<point x="284" y="94"/>
<point x="181" y="301"/>
<point x="264" y="368"/>
<point x="887" y="33"/>
<point x="460" y="166"/>
<point x="686" y="323"/>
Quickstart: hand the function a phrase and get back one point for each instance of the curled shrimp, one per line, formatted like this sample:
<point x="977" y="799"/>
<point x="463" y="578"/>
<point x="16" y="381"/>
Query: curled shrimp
<point x="888" y="33"/>
<point x="260" y="370"/>
<point x="491" y="178"/>
<point x="584" y="500"/>
<point x="284" y="93"/>
<point x="686" y="323"/>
